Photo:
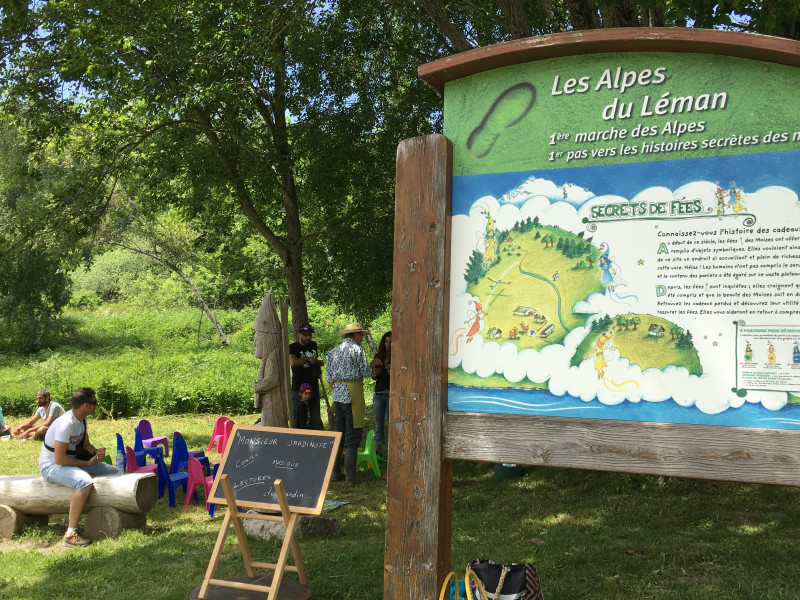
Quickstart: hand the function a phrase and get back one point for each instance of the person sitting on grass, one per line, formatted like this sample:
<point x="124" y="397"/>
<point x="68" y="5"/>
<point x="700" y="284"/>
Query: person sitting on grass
<point x="47" y="410"/>
<point x="69" y="459"/>
<point x="4" y="430"/>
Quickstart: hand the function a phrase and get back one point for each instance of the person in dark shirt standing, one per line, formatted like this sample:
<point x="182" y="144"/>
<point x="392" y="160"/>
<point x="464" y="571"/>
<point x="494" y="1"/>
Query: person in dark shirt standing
<point x="306" y="368"/>
<point x="302" y="415"/>
<point x="381" y="365"/>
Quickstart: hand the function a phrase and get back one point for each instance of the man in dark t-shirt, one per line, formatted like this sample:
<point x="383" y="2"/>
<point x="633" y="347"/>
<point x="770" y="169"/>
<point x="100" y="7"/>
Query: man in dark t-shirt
<point x="306" y="368"/>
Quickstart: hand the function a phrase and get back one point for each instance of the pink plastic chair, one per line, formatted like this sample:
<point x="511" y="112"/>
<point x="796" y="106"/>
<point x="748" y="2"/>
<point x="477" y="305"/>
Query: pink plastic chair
<point x="228" y="428"/>
<point x="197" y="476"/>
<point x="148" y="439"/>
<point x="133" y="466"/>
<point x="218" y="436"/>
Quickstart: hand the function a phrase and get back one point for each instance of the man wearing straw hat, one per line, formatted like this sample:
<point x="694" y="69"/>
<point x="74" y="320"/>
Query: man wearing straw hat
<point x="347" y="367"/>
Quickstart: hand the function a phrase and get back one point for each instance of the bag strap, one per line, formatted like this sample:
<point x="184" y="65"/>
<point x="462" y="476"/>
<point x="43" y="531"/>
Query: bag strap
<point x="503" y="574"/>
<point x="78" y="446"/>
<point x="451" y="577"/>
<point x="478" y="585"/>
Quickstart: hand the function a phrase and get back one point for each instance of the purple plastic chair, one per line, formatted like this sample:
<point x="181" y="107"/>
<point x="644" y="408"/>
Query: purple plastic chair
<point x="141" y="452"/>
<point x="148" y="439"/>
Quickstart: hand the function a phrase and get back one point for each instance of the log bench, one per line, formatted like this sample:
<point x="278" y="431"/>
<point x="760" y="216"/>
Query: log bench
<point x="116" y="502"/>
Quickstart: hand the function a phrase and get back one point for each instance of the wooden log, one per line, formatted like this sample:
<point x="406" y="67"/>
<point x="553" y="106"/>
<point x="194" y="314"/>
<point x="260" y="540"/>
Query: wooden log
<point x="104" y="521"/>
<point x="32" y="495"/>
<point x="12" y="521"/>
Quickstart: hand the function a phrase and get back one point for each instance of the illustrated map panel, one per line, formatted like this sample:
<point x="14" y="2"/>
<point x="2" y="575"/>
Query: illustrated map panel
<point x="626" y="240"/>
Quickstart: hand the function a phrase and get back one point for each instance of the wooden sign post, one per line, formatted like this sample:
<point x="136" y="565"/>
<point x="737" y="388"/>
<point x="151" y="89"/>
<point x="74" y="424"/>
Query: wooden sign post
<point x="259" y="466"/>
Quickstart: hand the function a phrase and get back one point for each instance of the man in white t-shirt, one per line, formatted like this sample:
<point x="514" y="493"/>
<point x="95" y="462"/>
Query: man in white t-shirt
<point x="47" y="410"/>
<point x="68" y="459"/>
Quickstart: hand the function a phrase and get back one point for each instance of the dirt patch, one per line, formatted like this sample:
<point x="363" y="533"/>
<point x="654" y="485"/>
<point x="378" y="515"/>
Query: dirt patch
<point x="28" y="545"/>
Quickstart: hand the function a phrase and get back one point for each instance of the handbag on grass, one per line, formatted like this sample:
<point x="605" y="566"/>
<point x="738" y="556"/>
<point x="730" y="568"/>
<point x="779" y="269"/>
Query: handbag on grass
<point x="515" y="581"/>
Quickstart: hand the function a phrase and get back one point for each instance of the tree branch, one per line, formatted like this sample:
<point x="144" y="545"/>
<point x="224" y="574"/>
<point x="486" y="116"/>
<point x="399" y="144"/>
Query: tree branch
<point x="239" y="188"/>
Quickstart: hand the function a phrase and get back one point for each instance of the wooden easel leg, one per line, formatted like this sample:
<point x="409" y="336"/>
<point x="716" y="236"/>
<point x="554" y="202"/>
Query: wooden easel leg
<point x="212" y="564"/>
<point x="238" y="527"/>
<point x="290" y="540"/>
<point x="298" y="559"/>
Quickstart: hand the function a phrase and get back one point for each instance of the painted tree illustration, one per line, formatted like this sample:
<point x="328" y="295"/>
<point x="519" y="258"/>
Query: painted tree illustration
<point x="475" y="268"/>
<point x="685" y="341"/>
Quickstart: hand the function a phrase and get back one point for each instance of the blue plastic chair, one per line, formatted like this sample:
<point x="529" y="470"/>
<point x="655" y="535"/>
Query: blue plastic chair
<point x="141" y="452"/>
<point x="211" y="506"/>
<point x="121" y="448"/>
<point x="170" y="480"/>
<point x="198" y="454"/>
<point x="140" y="456"/>
<point x="180" y="456"/>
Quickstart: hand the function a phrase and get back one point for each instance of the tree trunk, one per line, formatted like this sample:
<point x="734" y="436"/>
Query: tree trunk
<point x="444" y="23"/>
<point x="297" y="292"/>
<point x="515" y="18"/>
<point x="582" y="14"/>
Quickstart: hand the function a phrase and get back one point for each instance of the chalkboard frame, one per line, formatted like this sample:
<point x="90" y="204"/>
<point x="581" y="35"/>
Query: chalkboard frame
<point x="216" y="495"/>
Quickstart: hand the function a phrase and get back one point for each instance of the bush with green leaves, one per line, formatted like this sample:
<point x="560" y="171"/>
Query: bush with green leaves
<point x="106" y="271"/>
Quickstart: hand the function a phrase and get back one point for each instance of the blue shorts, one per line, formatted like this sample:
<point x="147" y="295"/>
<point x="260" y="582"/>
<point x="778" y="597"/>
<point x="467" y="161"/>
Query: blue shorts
<point x="76" y="477"/>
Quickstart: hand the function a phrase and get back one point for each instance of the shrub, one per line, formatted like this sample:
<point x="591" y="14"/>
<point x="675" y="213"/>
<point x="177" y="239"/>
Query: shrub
<point x="84" y="299"/>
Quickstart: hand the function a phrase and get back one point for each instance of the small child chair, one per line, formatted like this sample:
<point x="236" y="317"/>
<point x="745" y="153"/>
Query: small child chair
<point x="171" y="481"/>
<point x="368" y="455"/>
<point x="218" y="435"/>
<point x="197" y="476"/>
<point x="148" y="439"/>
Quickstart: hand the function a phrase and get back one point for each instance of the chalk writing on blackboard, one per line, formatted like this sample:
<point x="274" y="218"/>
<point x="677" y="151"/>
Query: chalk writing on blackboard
<point x="258" y="456"/>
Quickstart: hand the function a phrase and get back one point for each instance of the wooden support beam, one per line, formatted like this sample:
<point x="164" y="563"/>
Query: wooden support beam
<point x="418" y="506"/>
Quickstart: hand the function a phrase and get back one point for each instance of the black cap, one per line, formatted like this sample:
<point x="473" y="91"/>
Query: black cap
<point x="305" y="328"/>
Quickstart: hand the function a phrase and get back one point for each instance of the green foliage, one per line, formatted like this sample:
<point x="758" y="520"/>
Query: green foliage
<point x="84" y="299"/>
<point x="108" y="270"/>
<point x="143" y="362"/>
<point x="33" y="285"/>
<point x="475" y="268"/>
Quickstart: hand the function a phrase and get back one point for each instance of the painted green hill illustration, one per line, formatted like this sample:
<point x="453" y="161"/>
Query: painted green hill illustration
<point x="645" y="340"/>
<point x="529" y="279"/>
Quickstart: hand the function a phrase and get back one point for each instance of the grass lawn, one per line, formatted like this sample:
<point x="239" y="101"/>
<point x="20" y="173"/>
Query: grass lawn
<point x="594" y="536"/>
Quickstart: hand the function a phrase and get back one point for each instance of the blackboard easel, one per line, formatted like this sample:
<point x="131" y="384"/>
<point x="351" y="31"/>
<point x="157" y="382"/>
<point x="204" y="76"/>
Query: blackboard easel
<point x="268" y="451"/>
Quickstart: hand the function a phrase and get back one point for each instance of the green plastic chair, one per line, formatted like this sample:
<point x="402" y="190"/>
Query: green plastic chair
<point x="368" y="456"/>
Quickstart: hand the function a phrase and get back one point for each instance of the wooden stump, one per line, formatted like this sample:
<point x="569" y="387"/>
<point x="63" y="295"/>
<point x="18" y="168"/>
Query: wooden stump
<point x="12" y="521"/>
<point x="104" y="521"/>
